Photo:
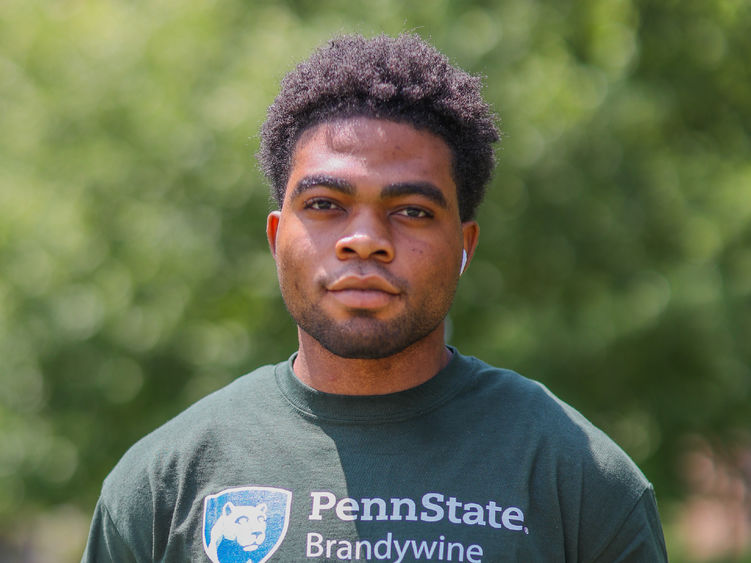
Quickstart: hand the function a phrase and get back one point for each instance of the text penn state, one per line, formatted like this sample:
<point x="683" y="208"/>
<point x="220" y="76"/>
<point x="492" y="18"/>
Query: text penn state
<point x="433" y="507"/>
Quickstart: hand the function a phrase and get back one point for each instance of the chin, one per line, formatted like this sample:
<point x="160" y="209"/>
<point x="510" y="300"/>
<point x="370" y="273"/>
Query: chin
<point x="356" y="342"/>
<point x="363" y="336"/>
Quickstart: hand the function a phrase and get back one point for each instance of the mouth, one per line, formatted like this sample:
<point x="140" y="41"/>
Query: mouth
<point x="363" y="283"/>
<point x="363" y="292"/>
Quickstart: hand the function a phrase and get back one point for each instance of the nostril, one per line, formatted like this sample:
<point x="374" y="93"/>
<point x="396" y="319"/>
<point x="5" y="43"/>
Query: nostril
<point x="364" y="246"/>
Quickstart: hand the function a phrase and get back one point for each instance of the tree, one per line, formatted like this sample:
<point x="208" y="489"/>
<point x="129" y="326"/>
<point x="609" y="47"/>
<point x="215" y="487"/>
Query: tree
<point x="614" y="262"/>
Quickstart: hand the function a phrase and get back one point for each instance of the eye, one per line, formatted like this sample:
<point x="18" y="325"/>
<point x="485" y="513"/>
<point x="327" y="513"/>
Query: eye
<point x="320" y="204"/>
<point x="414" y="213"/>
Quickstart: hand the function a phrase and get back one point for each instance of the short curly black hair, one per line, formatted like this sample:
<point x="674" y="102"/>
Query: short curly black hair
<point x="402" y="79"/>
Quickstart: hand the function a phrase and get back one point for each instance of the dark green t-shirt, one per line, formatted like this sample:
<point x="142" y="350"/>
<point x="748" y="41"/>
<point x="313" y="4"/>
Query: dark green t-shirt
<point x="478" y="464"/>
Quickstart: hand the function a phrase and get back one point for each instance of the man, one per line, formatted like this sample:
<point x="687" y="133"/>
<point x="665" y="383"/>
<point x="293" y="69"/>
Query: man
<point x="376" y="441"/>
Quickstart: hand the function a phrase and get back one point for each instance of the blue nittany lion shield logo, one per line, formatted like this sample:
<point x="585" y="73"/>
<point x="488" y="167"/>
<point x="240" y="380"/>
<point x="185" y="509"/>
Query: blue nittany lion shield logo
<point x="245" y="524"/>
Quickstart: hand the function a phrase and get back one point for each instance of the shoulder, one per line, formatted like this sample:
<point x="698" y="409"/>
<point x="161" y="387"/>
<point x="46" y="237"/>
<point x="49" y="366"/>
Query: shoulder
<point x="556" y="433"/>
<point x="164" y="454"/>
<point x="599" y="496"/>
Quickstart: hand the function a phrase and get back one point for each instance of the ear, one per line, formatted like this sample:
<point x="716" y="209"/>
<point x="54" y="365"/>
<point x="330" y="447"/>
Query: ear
<point x="272" y="227"/>
<point x="470" y="236"/>
<point x="228" y="508"/>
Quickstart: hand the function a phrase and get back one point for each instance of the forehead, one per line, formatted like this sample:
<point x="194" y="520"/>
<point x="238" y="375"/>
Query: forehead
<point x="345" y="134"/>
<point x="372" y="151"/>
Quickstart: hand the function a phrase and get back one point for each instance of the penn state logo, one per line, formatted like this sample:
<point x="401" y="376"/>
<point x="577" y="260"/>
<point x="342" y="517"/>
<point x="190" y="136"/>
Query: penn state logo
<point x="245" y="524"/>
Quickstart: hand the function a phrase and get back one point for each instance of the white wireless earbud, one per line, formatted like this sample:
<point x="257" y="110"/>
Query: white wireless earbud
<point x="464" y="261"/>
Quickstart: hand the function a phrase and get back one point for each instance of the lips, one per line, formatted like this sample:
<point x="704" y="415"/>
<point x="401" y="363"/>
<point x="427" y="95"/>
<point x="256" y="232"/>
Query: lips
<point x="363" y="292"/>
<point x="363" y="283"/>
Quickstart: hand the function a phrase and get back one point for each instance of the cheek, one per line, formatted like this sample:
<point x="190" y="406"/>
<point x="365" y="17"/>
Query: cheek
<point x="290" y="247"/>
<point x="429" y="259"/>
<point x="297" y="241"/>
<point x="296" y="262"/>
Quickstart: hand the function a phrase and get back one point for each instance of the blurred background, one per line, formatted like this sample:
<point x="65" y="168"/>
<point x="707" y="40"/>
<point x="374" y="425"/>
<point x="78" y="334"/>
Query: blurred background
<point x="614" y="263"/>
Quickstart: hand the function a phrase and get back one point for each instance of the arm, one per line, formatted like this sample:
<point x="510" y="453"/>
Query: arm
<point x="105" y="542"/>
<point x="640" y="538"/>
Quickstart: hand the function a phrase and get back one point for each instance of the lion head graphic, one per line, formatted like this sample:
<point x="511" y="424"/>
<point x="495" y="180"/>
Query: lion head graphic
<point x="244" y="525"/>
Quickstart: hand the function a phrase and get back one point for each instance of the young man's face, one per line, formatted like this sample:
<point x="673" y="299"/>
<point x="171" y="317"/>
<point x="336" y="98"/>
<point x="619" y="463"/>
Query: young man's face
<point x="368" y="244"/>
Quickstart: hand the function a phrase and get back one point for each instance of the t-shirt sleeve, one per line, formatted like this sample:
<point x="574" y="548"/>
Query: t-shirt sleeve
<point x="105" y="542"/>
<point x="640" y="538"/>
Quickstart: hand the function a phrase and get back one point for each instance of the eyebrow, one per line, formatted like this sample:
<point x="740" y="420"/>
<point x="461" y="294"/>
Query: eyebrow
<point x="322" y="180"/>
<point x="425" y="189"/>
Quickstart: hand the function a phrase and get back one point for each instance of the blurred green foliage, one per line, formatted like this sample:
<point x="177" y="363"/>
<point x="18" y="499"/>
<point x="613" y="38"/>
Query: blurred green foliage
<point x="615" y="255"/>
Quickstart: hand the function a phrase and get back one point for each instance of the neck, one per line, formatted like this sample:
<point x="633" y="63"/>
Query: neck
<point x="320" y="369"/>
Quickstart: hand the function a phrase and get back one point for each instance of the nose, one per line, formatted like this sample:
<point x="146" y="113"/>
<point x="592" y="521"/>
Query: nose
<point x="366" y="237"/>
